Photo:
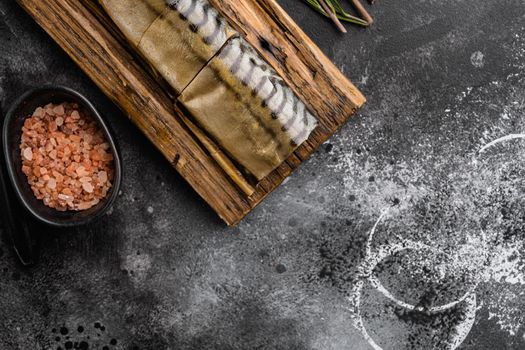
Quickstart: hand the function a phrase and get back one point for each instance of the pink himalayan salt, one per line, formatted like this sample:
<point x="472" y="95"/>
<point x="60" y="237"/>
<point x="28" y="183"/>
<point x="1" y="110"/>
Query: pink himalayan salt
<point x="65" y="158"/>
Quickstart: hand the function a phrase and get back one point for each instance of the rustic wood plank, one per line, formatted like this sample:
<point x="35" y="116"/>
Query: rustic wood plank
<point x="96" y="45"/>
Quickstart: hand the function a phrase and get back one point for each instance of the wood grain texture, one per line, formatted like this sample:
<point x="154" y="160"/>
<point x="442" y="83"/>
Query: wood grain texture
<point x="96" y="46"/>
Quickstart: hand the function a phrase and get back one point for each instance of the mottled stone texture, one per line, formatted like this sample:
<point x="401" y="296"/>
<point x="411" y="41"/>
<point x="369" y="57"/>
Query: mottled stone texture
<point x="442" y="78"/>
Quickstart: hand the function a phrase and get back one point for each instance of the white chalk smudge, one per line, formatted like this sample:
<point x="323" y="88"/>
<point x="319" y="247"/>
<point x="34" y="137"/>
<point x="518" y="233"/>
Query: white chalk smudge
<point x="137" y="266"/>
<point x="500" y="140"/>
<point x="477" y="59"/>
<point x="463" y="330"/>
<point x="365" y="77"/>
<point x="489" y="260"/>
<point x="366" y="274"/>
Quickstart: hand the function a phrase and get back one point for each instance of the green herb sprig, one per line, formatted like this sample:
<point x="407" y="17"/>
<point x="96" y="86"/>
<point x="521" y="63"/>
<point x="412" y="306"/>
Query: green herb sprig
<point x="338" y="10"/>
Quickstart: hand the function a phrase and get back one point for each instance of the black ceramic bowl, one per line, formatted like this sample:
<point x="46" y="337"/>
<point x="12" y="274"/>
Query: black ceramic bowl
<point x="11" y="136"/>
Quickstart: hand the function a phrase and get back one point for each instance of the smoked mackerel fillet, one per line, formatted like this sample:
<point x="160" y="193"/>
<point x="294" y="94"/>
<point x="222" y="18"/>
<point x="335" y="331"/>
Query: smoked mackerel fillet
<point x="233" y="94"/>
<point x="241" y="101"/>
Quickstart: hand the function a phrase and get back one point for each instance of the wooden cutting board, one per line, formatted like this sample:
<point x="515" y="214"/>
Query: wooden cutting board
<point x="81" y="28"/>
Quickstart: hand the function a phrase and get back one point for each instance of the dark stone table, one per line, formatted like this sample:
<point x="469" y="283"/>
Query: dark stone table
<point x="443" y="268"/>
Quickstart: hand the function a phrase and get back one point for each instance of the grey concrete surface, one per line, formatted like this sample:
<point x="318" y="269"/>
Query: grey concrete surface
<point x="443" y="268"/>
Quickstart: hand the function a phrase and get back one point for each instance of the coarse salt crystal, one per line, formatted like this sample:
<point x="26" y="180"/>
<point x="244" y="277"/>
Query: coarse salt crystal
<point x="81" y="171"/>
<point x="53" y="126"/>
<point x="52" y="183"/>
<point x="64" y="197"/>
<point x="87" y="187"/>
<point x="59" y="110"/>
<point x="28" y="153"/>
<point x="75" y="115"/>
<point x="103" y="176"/>
<point x="39" y="112"/>
<point x="84" y="206"/>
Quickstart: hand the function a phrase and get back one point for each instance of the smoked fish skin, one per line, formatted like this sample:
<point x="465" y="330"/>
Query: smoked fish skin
<point x="248" y="109"/>
<point x="176" y="37"/>
<point x="133" y="17"/>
